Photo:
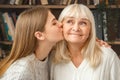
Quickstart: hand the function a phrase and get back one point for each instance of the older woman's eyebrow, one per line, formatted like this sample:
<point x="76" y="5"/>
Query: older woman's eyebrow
<point x="68" y="17"/>
<point x="84" y="19"/>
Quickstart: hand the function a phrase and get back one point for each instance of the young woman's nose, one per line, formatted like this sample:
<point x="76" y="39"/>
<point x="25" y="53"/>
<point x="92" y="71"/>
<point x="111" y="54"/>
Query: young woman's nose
<point x="60" y="25"/>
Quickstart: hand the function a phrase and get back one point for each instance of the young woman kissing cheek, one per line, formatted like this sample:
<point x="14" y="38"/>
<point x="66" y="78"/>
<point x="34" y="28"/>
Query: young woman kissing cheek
<point x="54" y="29"/>
<point x="76" y="30"/>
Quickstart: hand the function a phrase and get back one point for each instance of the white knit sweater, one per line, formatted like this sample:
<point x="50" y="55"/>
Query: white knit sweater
<point x="27" y="68"/>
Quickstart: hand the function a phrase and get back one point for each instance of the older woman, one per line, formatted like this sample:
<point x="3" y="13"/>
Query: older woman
<point x="79" y="56"/>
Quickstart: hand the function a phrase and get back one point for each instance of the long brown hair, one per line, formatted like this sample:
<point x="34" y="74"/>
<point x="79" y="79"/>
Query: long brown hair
<point x="28" y="22"/>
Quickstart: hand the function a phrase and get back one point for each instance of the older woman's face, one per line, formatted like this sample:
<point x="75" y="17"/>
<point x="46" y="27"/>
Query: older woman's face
<point x="76" y="30"/>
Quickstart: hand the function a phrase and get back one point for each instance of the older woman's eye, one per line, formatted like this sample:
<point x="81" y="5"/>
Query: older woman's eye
<point x="70" y="21"/>
<point x="83" y="23"/>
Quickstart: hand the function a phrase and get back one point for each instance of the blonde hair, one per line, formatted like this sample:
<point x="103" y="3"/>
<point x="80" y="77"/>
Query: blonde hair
<point x="91" y="50"/>
<point x="24" y="43"/>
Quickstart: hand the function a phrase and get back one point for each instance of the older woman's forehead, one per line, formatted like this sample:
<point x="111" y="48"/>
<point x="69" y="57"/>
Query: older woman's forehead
<point x="80" y="17"/>
<point x="76" y="14"/>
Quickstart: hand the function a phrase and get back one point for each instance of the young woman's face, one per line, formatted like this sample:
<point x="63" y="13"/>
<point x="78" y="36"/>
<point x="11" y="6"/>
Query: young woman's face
<point x="76" y="30"/>
<point x="53" y="29"/>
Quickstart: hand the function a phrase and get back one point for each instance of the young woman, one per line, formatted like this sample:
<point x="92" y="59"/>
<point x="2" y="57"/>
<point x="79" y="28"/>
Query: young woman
<point x="79" y="56"/>
<point x="37" y="31"/>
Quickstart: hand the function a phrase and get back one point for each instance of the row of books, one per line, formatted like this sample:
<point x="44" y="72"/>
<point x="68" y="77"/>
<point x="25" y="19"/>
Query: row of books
<point x="7" y="26"/>
<point x="38" y="2"/>
<point x="58" y="2"/>
<point x="107" y="24"/>
<point x="113" y="23"/>
<point x="101" y="24"/>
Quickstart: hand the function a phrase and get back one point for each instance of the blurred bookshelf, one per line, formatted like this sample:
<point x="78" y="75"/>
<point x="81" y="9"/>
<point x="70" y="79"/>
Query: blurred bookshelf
<point x="56" y="7"/>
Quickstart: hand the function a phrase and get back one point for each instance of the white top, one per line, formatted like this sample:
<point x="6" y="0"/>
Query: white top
<point x="109" y="69"/>
<point x="27" y="68"/>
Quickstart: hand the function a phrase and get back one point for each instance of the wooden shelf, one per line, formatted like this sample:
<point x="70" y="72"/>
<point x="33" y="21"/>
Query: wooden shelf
<point x="114" y="42"/>
<point x="49" y="6"/>
<point x="32" y="6"/>
<point x="6" y="42"/>
<point x="113" y="6"/>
